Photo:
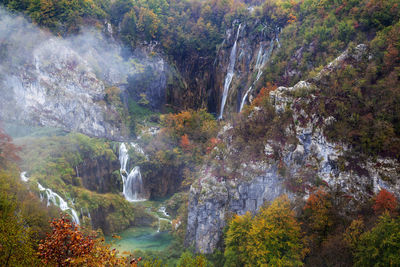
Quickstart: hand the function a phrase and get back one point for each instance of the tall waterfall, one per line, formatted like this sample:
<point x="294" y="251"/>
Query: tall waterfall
<point x="132" y="182"/>
<point x="230" y="73"/>
<point x="56" y="199"/>
<point x="262" y="59"/>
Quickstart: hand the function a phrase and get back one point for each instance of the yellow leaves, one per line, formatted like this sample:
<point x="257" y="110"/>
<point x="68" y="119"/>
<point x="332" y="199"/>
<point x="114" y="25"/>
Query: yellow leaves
<point x="272" y="237"/>
<point x="148" y="22"/>
<point x="353" y="232"/>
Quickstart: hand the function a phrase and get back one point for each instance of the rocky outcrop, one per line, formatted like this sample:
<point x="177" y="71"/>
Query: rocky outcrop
<point x="201" y="79"/>
<point x="50" y="81"/>
<point x="308" y="161"/>
<point x="212" y="201"/>
<point x="149" y="84"/>
<point x="57" y="88"/>
<point x="254" y="49"/>
<point x="100" y="175"/>
<point x="161" y="182"/>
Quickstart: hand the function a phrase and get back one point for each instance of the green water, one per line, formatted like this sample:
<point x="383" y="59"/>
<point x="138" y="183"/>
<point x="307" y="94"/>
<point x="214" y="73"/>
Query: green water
<point x="142" y="238"/>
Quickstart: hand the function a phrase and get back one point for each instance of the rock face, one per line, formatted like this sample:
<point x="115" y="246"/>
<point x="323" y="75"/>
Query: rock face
<point x="150" y="83"/>
<point x="211" y="201"/>
<point x="100" y="175"/>
<point x="299" y="163"/>
<point x="201" y="80"/>
<point x="50" y="81"/>
<point x="253" y="50"/>
<point x="57" y="90"/>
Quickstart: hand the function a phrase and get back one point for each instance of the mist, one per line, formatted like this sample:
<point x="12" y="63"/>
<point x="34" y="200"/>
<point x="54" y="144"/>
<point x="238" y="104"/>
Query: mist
<point x="21" y="41"/>
<point x="60" y="82"/>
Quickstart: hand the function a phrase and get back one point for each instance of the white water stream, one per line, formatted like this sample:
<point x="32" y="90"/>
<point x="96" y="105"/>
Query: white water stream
<point x="53" y="197"/>
<point x="56" y="199"/>
<point x="262" y="59"/>
<point x="229" y="74"/>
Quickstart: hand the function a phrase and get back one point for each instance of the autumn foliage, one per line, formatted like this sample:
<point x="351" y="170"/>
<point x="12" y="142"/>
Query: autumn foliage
<point x="263" y="95"/>
<point x="318" y="209"/>
<point x="385" y="201"/>
<point x="185" y="142"/>
<point x="8" y="151"/>
<point x="66" y="245"/>
<point x="271" y="238"/>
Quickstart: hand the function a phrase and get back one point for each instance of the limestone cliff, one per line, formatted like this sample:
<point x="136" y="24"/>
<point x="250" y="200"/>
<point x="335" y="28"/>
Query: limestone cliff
<point x="51" y="81"/>
<point x="247" y="49"/>
<point x="290" y="168"/>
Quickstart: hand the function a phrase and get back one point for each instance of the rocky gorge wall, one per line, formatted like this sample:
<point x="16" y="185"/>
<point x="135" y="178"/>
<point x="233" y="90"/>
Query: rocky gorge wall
<point x="202" y="79"/>
<point x="253" y="44"/>
<point x="300" y="165"/>
<point x="100" y="175"/>
<point x="55" y="82"/>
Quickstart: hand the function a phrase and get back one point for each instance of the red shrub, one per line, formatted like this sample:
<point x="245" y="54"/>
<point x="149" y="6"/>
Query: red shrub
<point x="385" y="201"/>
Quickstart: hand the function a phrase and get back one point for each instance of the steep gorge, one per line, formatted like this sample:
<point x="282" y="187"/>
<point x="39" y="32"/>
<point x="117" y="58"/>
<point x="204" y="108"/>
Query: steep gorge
<point x="300" y="159"/>
<point x="336" y="130"/>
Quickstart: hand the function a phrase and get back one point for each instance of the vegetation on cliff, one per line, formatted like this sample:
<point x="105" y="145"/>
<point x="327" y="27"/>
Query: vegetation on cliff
<point x="361" y="99"/>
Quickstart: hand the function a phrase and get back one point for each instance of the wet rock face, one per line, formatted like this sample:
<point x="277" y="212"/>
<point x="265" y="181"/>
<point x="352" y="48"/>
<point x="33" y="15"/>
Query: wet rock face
<point x="99" y="175"/>
<point x="160" y="183"/>
<point x="293" y="172"/>
<point x="253" y="50"/>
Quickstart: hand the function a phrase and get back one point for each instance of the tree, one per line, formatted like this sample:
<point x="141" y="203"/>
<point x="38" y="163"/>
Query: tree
<point x="318" y="211"/>
<point x="185" y="142"/>
<point x="8" y="151"/>
<point x="353" y="233"/>
<point x="381" y="245"/>
<point x="385" y="201"/>
<point x="20" y="213"/>
<point x="271" y="238"/>
<point x="188" y="259"/>
<point x="66" y="245"/>
<point x="236" y="240"/>
<point x="17" y="243"/>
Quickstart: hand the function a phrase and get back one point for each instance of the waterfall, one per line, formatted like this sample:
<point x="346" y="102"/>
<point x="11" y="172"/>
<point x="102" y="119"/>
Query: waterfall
<point x="123" y="158"/>
<point x="57" y="200"/>
<point x="132" y="182"/>
<point x="163" y="210"/>
<point x="262" y="59"/>
<point x="244" y="98"/>
<point x="229" y="74"/>
<point x="24" y="178"/>
<point x="133" y="185"/>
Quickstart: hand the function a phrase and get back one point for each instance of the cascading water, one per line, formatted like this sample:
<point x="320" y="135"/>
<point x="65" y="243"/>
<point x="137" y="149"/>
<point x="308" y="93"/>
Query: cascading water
<point x="24" y="178"/>
<point x="245" y="97"/>
<point x="230" y="73"/>
<point x="262" y="59"/>
<point x="57" y="200"/>
<point x="132" y="183"/>
<point x="163" y="210"/>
